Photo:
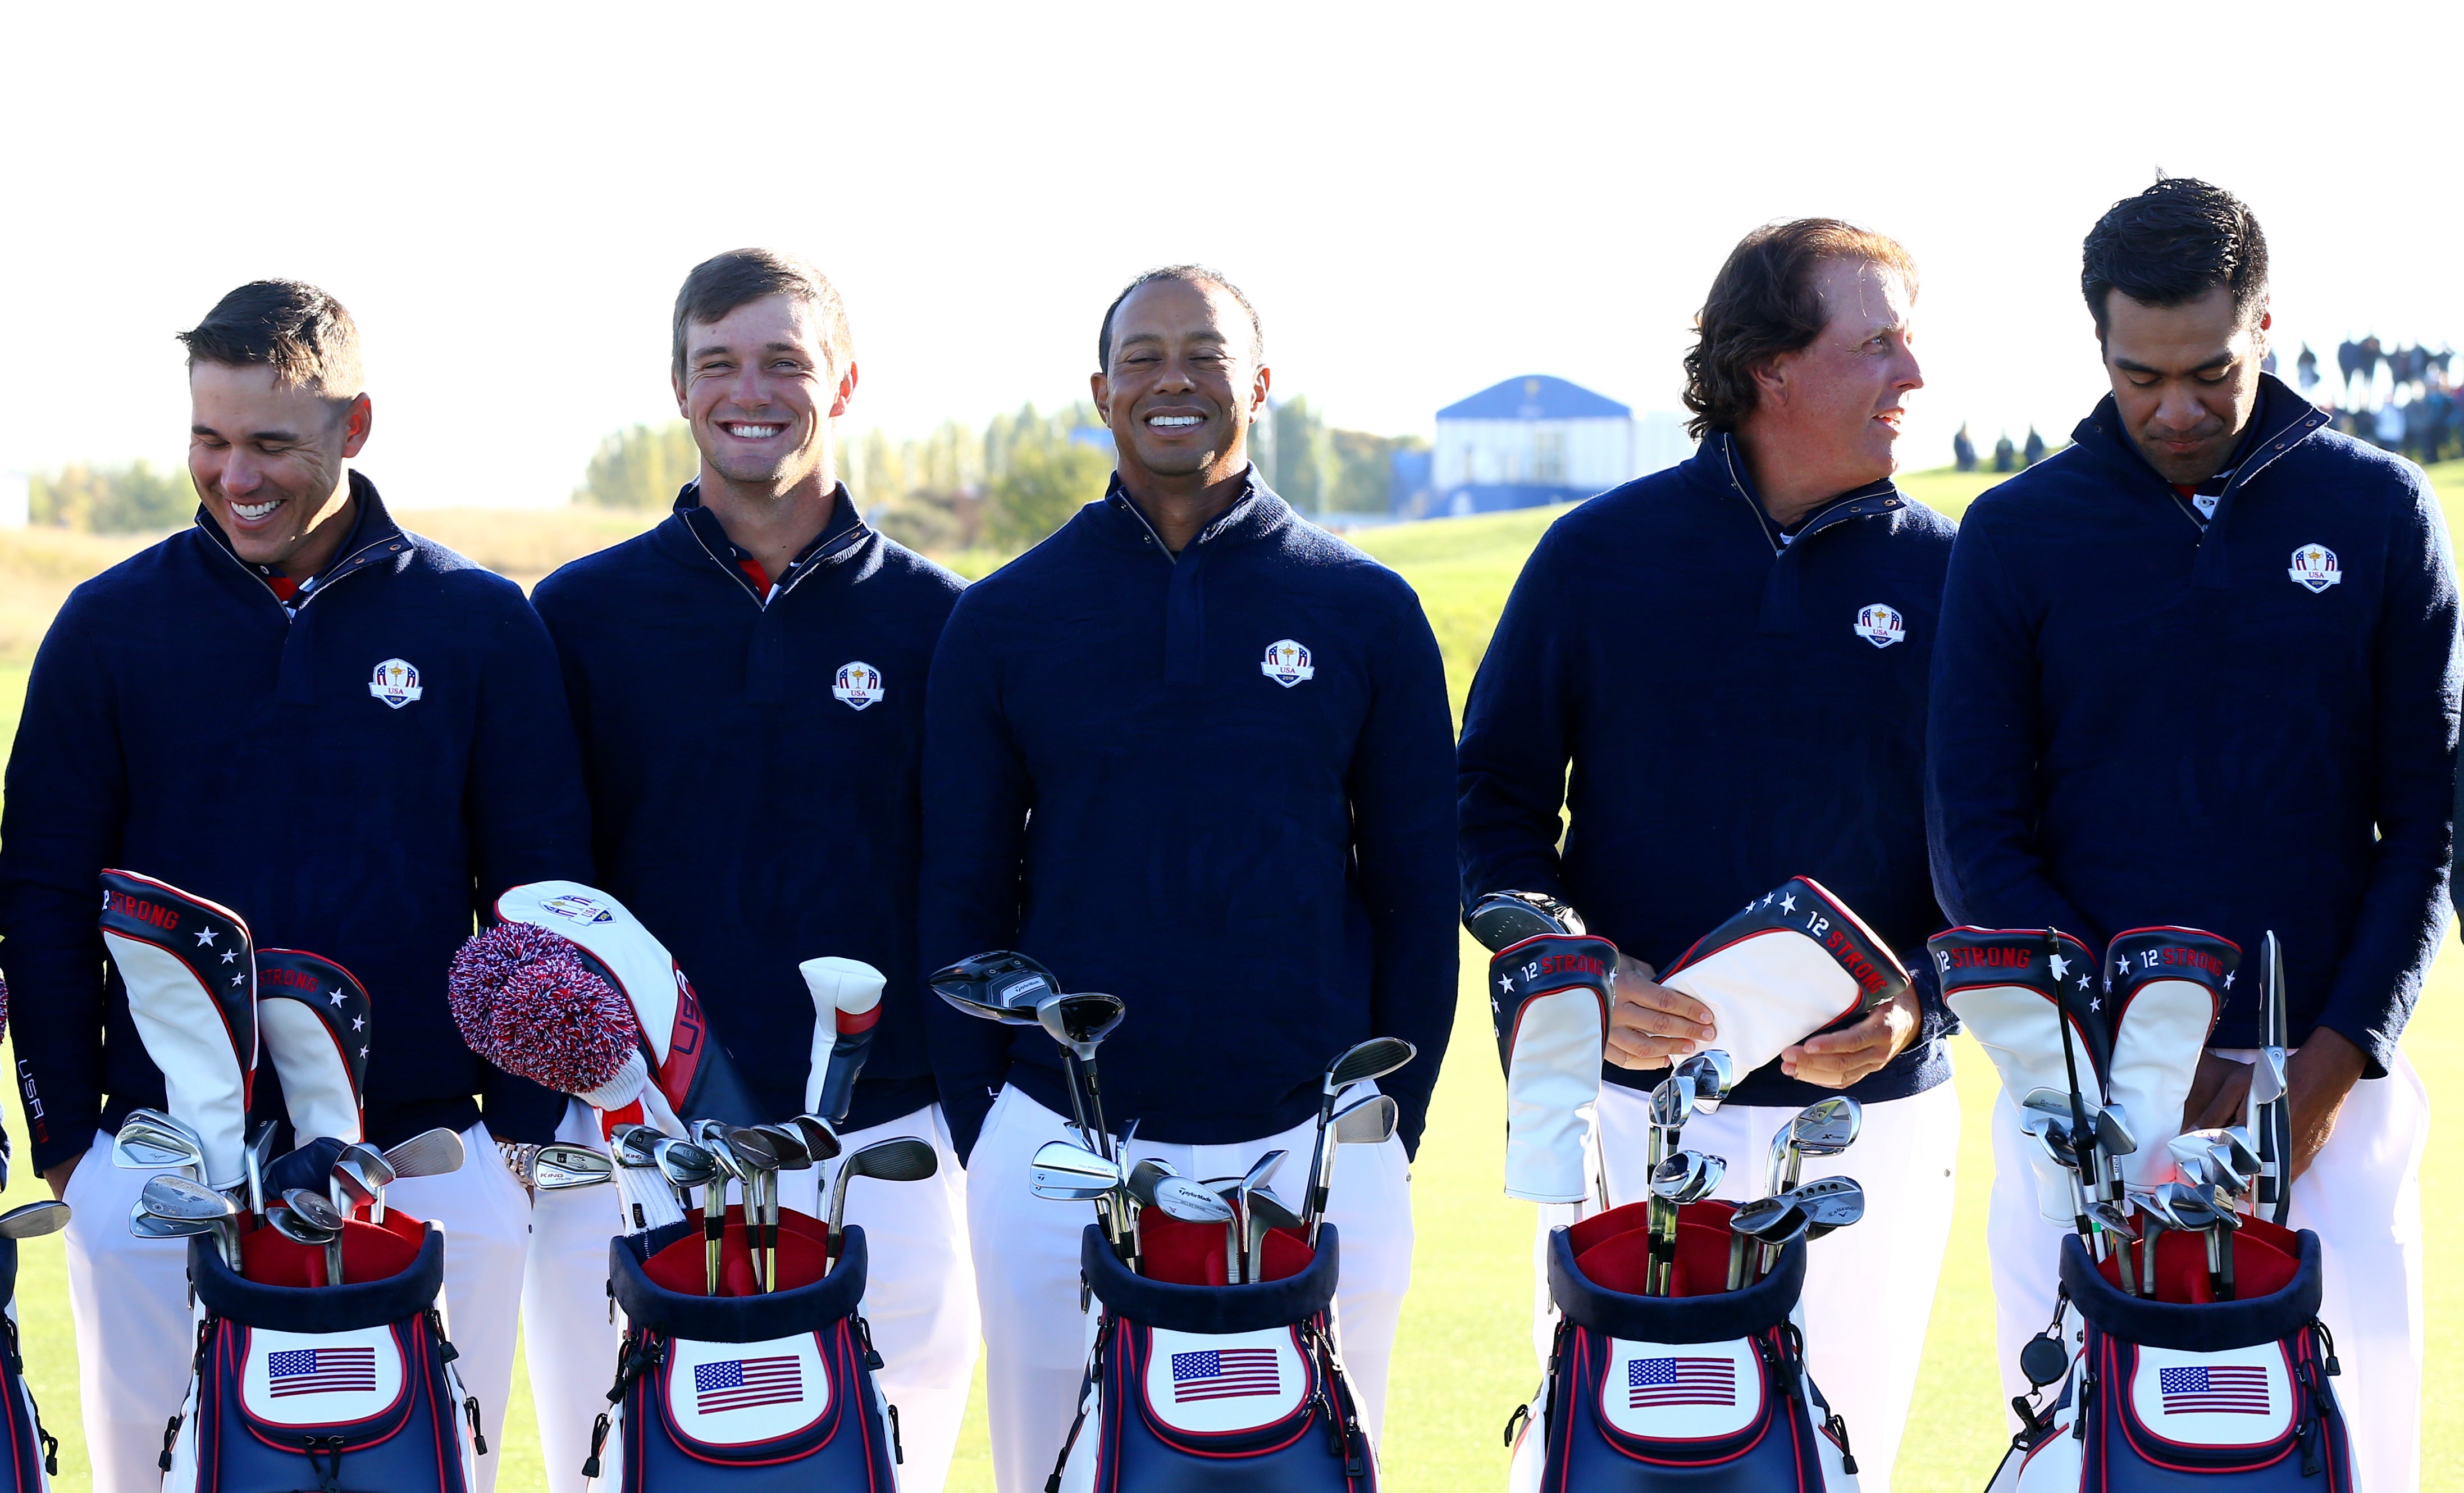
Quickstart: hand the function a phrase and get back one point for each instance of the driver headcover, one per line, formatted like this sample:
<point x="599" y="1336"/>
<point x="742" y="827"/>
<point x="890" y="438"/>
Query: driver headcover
<point x="2014" y="989"/>
<point x="2167" y="987"/>
<point x="317" y="1025"/>
<point x="1548" y="997"/>
<point x="846" y="1006"/>
<point x="190" y="970"/>
<point x="1793" y="963"/>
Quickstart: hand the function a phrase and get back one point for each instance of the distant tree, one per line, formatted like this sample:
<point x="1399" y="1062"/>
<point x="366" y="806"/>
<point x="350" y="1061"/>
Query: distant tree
<point x="1364" y="472"/>
<point x="642" y="467"/>
<point x="120" y="499"/>
<point x="1302" y="454"/>
<point x="1049" y="479"/>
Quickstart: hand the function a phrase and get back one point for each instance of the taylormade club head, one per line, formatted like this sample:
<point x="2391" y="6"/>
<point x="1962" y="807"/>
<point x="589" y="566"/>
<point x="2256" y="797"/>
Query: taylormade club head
<point x="430" y="1153"/>
<point x="900" y="1159"/>
<point x="1066" y="1171"/>
<point x="1156" y="1184"/>
<point x="1001" y="986"/>
<point x="560" y="1167"/>
<point x="34" y="1220"/>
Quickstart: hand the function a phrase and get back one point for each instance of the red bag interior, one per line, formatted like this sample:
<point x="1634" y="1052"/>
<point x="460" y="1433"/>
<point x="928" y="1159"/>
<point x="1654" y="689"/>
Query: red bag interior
<point x="683" y="1267"/>
<point x="2265" y="1257"/>
<point x="1192" y="1253"/>
<point x="1620" y="1261"/>
<point x="371" y="1251"/>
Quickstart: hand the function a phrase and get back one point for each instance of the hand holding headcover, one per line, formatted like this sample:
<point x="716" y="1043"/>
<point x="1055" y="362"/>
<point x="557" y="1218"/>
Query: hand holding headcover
<point x="1550" y="988"/>
<point x="846" y="1006"/>
<point x="1796" y="962"/>
<point x="189" y="967"/>
<point x="316" y="1022"/>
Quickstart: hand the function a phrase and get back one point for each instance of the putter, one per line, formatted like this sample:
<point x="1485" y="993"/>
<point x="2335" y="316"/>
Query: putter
<point x="1236" y="1238"/>
<point x="430" y="1153"/>
<point x="1684" y="1177"/>
<point x="1361" y="1063"/>
<point x="900" y="1159"/>
<point x="1672" y="1105"/>
<point x="34" y="1220"/>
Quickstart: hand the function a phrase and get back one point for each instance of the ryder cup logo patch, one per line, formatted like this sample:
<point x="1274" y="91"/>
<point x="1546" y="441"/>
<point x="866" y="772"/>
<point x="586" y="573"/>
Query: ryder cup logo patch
<point x="1881" y="626"/>
<point x="1287" y="663"/>
<point x="395" y="683"/>
<point x="2314" y="565"/>
<point x="579" y="908"/>
<point x="858" y="683"/>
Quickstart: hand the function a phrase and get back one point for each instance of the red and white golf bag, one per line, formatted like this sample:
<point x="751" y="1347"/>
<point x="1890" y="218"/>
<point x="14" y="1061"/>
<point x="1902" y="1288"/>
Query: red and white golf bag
<point x="761" y="1392"/>
<point x="2185" y="1392"/>
<point x="1705" y="1388"/>
<point x="1194" y="1386"/>
<point x="300" y="1384"/>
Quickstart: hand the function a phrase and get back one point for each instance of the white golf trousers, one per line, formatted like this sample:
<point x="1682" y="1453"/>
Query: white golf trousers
<point x="2361" y="1196"/>
<point x="1027" y="1270"/>
<point x="1868" y="1289"/>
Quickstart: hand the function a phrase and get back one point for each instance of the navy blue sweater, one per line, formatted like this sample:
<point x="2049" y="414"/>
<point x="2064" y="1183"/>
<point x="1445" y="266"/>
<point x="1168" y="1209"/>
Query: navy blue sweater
<point x="1250" y="843"/>
<point x="182" y="724"/>
<point x="2138" y="722"/>
<point x="753" y="774"/>
<point x="1737" y="710"/>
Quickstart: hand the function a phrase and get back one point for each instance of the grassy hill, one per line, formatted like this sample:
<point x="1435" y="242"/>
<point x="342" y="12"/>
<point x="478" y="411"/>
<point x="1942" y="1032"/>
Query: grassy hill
<point x="1465" y="1357"/>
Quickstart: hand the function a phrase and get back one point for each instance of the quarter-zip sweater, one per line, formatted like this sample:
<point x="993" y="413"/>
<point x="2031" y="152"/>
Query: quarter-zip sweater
<point x="182" y="724"/>
<point x="1738" y="705"/>
<point x="752" y="754"/>
<point x="2245" y="726"/>
<point x="1217" y="785"/>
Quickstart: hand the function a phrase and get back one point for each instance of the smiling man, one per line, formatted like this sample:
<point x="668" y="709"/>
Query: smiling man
<point x="1192" y="752"/>
<point x="345" y="733"/>
<point x="2200" y="669"/>
<point x="1755" y="712"/>
<point x="748" y="679"/>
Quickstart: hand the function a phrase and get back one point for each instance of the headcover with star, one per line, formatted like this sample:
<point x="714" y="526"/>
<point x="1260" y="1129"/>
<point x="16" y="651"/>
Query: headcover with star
<point x="1548" y="998"/>
<point x="2167" y="987"/>
<point x="189" y="968"/>
<point x="1793" y="963"/>
<point x="2012" y="989"/>
<point x="315" y="1020"/>
<point x="846" y="1006"/>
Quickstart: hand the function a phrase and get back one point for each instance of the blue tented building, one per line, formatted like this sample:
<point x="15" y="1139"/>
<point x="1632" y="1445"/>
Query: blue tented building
<point x="1528" y="441"/>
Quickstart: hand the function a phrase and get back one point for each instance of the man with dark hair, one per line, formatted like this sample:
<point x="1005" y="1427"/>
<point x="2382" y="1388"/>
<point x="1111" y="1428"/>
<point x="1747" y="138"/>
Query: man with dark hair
<point x="1756" y="716"/>
<point x="2200" y="669"/>
<point x="347" y="734"/>
<point x="1251" y="855"/>
<point x="748" y="679"/>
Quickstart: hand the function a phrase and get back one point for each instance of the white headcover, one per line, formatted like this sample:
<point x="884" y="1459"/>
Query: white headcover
<point x="2168" y="988"/>
<point x="842" y="989"/>
<point x="1796" y="961"/>
<point x="2007" y="987"/>
<point x="640" y="966"/>
<point x="189" y="967"/>
<point x="1548" y="997"/>
<point x="315" y="1023"/>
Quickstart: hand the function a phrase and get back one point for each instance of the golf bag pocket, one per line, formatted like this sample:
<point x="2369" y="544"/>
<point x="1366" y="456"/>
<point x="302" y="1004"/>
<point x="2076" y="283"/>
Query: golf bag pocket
<point x="1794" y="962"/>
<point x="348" y="1387"/>
<point x="1651" y="1392"/>
<point x="1215" y="1389"/>
<point x="2234" y="1394"/>
<point x="28" y="1454"/>
<point x="759" y="1393"/>
<point x="1550" y="999"/>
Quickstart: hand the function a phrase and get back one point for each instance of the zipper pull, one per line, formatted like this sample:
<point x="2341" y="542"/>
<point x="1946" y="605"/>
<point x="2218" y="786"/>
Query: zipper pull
<point x="598" y="1440"/>
<point x="1836" y="1428"/>
<point x="479" y="1437"/>
<point x="170" y="1437"/>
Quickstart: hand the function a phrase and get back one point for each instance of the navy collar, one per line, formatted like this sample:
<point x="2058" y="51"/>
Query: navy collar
<point x="2282" y="420"/>
<point x="374" y="537"/>
<point x="845" y="529"/>
<point x="1724" y="464"/>
<point x="1250" y="513"/>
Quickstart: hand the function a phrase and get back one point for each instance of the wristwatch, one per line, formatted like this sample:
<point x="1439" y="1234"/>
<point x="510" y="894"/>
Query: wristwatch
<point x="518" y="1156"/>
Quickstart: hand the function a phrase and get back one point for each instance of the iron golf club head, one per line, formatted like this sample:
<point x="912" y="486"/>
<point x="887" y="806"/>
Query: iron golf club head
<point x="560" y="1167"/>
<point x="1260" y="1169"/>
<point x="145" y="1225"/>
<point x="1080" y="1021"/>
<point x="2186" y="1208"/>
<point x="2267" y="1075"/>
<point x="2115" y="1219"/>
<point x="899" y="1159"/>
<point x="160" y="1121"/>
<point x="34" y="1220"/>
<point x="1772" y="1221"/>
<point x="1371" y="1122"/>
<point x="1687" y="1177"/>
<point x="2114" y="1135"/>
<point x="142" y="1150"/>
<point x="2054" y="1138"/>
<point x="2045" y="1104"/>
<point x="430" y="1153"/>
<point x="371" y="1164"/>
<point x="1001" y="986"/>
<point x="750" y="1150"/>
<point x="821" y="1137"/>
<point x="185" y="1202"/>
<point x="1156" y="1184"/>
<point x="1712" y="1073"/>
<point x="795" y="1154"/>
<point x="1373" y="1059"/>
<point x="299" y="1231"/>
<point x="684" y="1165"/>
<point x="1829" y="1203"/>
<point x="314" y="1211"/>
<point x="347" y="1189"/>
<point x="634" y="1146"/>
<point x="1266" y="1211"/>
<point x="1067" y="1172"/>
<point x="1502" y="919"/>
<point x="2232" y="1144"/>
<point x="1825" y="1128"/>
<point x="257" y="1157"/>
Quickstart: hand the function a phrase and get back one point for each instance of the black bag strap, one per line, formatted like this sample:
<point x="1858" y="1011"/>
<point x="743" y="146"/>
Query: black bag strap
<point x="1085" y="1386"/>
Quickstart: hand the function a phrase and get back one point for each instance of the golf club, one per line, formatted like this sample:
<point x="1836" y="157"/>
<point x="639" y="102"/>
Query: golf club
<point x="2270" y="1117"/>
<point x="34" y="1220"/>
<point x="145" y="1225"/>
<point x="430" y="1153"/>
<point x="1713" y="1073"/>
<point x="1502" y="919"/>
<point x="1830" y="1204"/>
<point x="374" y="1173"/>
<point x="1771" y="1222"/>
<point x="900" y="1159"/>
<point x="1361" y="1063"/>
<point x="1156" y="1184"/>
<point x="687" y="1167"/>
<point x="181" y="1199"/>
<point x="346" y="1190"/>
<point x="312" y="1222"/>
<point x="796" y="1149"/>
<point x="1672" y="1105"/>
<point x="256" y="1156"/>
<point x="1825" y="1128"/>
<point x="1369" y="1122"/>
<point x="1080" y="1022"/>
<point x="1067" y="1172"/>
<point x="1685" y="1176"/>
<point x="2115" y="1219"/>
<point x="1236" y="1238"/>
<point x="1266" y="1213"/>
<point x="559" y="1167"/>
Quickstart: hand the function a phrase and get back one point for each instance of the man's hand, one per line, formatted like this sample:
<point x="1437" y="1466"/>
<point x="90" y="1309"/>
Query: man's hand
<point x="1649" y="1023"/>
<point x="2318" y="1079"/>
<point x="1839" y="1058"/>
<point x="58" y="1176"/>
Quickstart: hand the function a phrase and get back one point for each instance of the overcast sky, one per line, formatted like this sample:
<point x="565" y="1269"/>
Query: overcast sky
<point x="1421" y="199"/>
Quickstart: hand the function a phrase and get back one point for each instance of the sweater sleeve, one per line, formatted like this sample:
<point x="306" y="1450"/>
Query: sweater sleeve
<point x="1982" y="739"/>
<point x="1517" y="737"/>
<point x="976" y="798"/>
<point x="2402" y="916"/>
<point x="1403" y="841"/>
<point x="66" y="802"/>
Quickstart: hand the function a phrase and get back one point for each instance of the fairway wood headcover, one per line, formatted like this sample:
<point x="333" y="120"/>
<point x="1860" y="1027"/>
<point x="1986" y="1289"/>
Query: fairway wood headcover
<point x="189" y="967"/>
<point x="1548" y="997"/>
<point x="846" y="1006"/>
<point x="2167" y="987"/>
<point x="1793" y="963"/>
<point x="315" y="1020"/>
<point x="678" y="1051"/>
<point x="2013" y="987"/>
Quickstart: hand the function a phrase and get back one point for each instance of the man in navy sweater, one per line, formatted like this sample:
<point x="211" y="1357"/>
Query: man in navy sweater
<point x="1192" y="752"/>
<point x="749" y="681"/>
<point x="345" y="733"/>
<point x="1756" y="714"/>
<point x="2200" y="669"/>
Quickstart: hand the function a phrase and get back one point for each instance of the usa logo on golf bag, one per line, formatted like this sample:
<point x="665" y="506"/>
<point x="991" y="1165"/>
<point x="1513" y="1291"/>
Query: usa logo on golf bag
<point x="2314" y="565"/>
<point x="1286" y="663"/>
<point x="395" y="683"/>
<point x="858" y="684"/>
<point x="739" y="1393"/>
<point x="1881" y="626"/>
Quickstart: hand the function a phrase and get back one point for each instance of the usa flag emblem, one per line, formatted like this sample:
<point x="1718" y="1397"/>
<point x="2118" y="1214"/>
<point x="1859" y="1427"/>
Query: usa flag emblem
<point x="320" y="1370"/>
<point x="742" y="1383"/>
<point x="1225" y="1373"/>
<point x="2213" y="1390"/>
<point x="1658" y="1383"/>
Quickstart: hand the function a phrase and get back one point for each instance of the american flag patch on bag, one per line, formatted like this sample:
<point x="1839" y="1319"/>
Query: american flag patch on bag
<point x="1657" y="1383"/>
<point x="320" y="1370"/>
<point x="742" y="1383"/>
<point x="2213" y="1390"/>
<point x="1225" y="1373"/>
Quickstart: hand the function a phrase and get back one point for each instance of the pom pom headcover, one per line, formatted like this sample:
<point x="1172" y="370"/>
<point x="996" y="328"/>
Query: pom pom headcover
<point x="535" y="1004"/>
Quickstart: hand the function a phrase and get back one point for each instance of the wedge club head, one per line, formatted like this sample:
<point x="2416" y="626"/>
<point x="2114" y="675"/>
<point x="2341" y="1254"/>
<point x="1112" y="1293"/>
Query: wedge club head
<point x="185" y="1202"/>
<point x="1712" y="1073"/>
<point x="1373" y="1059"/>
<point x="1829" y="1203"/>
<point x="34" y="1220"/>
<point x="821" y="1137"/>
<point x="1687" y="1177"/>
<point x="1371" y="1122"/>
<point x="1156" y="1184"/>
<point x="430" y="1153"/>
<point x="899" y="1159"/>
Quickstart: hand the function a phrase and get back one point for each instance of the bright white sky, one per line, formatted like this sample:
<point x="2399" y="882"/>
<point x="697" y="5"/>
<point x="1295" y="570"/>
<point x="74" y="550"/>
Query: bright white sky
<point x="1421" y="199"/>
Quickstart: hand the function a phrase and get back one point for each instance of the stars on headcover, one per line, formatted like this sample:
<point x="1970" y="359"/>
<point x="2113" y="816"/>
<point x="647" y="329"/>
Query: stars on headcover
<point x="229" y="954"/>
<point x="334" y="997"/>
<point x="2122" y="967"/>
<point x="1506" y="985"/>
<point x="237" y="980"/>
<point x="2228" y="977"/>
<point x="205" y="936"/>
<point x="1788" y="904"/>
<point x="2061" y="968"/>
<point x="1767" y="898"/>
<point x="360" y="1024"/>
<point x="364" y="1055"/>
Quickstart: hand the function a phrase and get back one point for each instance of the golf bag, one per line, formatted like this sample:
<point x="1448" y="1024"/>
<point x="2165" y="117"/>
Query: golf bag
<point x="303" y="1385"/>
<point x="748" y="1390"/>
<point x="2185" y="1390"/>
<point x="28" y="1454"/>
<point x="1703" y="1389"/>
<point x="1198" y="1387"/>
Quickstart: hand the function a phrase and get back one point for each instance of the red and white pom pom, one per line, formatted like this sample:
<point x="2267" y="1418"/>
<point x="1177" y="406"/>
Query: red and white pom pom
<point x="4" y="1009"/>
<point x="529" y="1002"/>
